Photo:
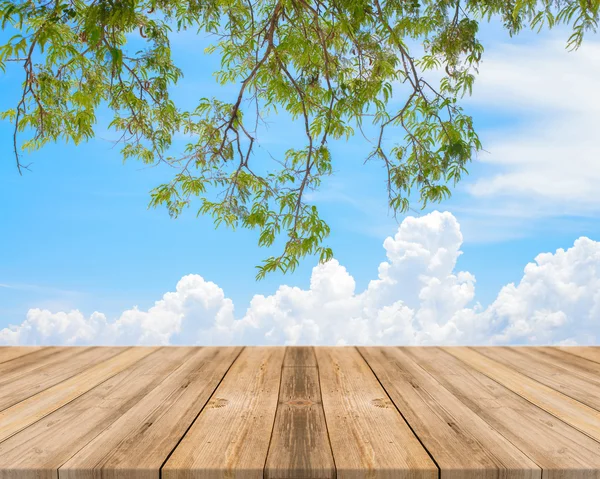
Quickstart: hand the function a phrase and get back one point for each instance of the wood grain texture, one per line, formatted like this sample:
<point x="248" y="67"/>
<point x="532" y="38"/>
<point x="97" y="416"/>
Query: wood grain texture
<point x="462" y="444"/>
<point x="591" y="353"/>
<point x="38" y="451"/>
<point x="31" y="366"/>
<point x="576" y="365"/>
<point x="544" y="368"/>
<point x="8" y="353"/>
<point x="564" y="407"/>
<point x="148" y="432"/>
<point x="16" y="388"/>
<point x="298" y="357"/>
<point x="26" y="363"/>
<point x="299" y="413"/>
<point x="369" y="437"/>
<point x="32" y="409"/>
<point x="230" y="438"/>
<point x="559" y="449"/>
<point x="300" y="442"/>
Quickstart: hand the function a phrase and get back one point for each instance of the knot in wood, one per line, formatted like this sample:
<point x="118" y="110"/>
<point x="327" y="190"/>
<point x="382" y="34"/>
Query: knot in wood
<point x="381" y="402"/>
<point x="218" y="402"/>
<point x="300" y="402"/>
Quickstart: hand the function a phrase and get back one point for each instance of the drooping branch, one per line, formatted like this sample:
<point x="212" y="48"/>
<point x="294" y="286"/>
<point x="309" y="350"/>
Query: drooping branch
<point x="332" y="66"/>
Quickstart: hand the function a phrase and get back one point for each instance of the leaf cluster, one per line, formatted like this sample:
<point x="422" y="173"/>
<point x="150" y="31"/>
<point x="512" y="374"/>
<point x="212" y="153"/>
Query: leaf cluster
<point x="333" y="66"/>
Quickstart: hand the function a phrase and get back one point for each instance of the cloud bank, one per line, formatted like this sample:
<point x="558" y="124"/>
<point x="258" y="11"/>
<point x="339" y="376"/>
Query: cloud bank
<point x="418" y="298"/>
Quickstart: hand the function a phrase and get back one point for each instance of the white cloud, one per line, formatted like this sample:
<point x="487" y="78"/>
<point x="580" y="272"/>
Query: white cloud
<point x="558" y="298"/>
<point x="417" y="298"/>
<point x="548" y="159"/>
<point x="196" y="312"/>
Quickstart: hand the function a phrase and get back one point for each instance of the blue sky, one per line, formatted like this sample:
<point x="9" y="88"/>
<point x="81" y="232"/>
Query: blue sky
<point x="76" y="233"/>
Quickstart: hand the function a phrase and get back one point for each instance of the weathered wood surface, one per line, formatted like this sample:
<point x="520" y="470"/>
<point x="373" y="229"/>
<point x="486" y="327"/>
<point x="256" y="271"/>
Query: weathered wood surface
<point x="231" y="436"/>
<point x="571" y="411"/>
<point x="49" y="371"/>
<point x="299" y="413"/>
<point x="591" y="353"/>
<point x="300" y="442"/>
<point x="367" y="432"/>
<point x="460" y="441"/>
<point x="36" y="407"/>
<point x="148" y="432"/>
<point x="7" y="354"/>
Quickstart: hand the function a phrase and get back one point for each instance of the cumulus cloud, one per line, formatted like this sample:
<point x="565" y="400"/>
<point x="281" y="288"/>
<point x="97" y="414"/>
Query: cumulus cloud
<point x="557" y="300"/>
<point x="418" y="297"/>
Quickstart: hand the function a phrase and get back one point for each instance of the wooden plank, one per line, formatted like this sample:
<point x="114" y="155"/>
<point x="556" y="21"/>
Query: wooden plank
<point x="591" y="353"/>
<point x="369" y="437"/>
<point x="32" y="364"/>
<point x="32" y="409"/>
<point x="8" y="353"/>
<point x="26" y="363"/>
<point x="300" y="443"/>
<point x="462" y="444"/>
<point x="545" y="369"/>
<point x="39" y="450"/>
<point x="138" y="443"/>
<point x="559" y="449"/>
<point x="479" y="412"/>
<point x="14" y="389"/>
<point x="297" y="357"/>
<point x="231" y="436"/>
<point x="581" y="367"/>
<point x="567" y="409"/>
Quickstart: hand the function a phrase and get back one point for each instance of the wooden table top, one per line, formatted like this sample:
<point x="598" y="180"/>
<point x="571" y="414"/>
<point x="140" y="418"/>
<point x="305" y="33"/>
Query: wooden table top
<point x="274" y="412"/>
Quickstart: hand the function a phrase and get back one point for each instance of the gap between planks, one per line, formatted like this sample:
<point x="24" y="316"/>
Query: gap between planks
<point x="288" y="403"/>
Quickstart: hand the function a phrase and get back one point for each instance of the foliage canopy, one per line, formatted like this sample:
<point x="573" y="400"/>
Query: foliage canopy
<point x="332" y="65"/>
